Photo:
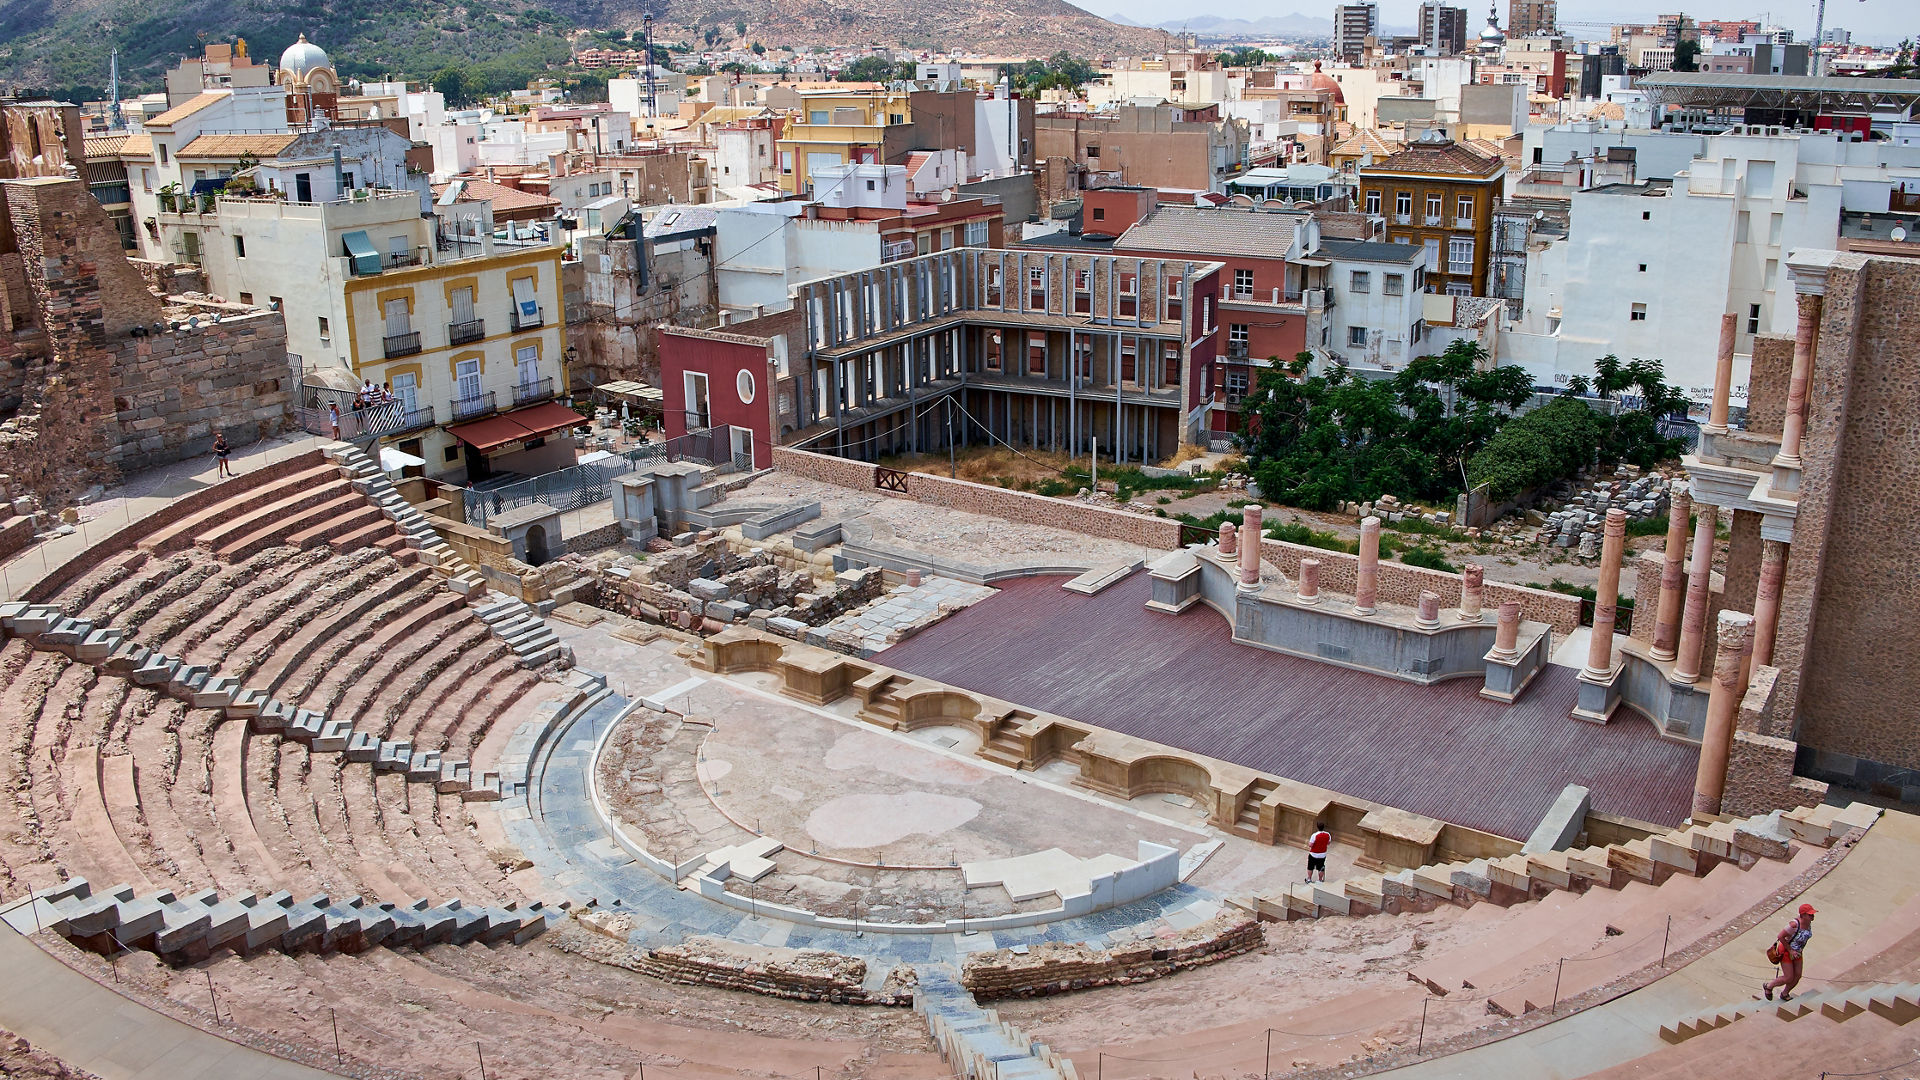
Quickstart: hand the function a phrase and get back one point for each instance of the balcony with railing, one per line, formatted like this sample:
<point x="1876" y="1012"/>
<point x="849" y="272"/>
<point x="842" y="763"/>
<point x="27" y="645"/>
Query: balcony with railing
<point x="1431" y="220"/>
<point x="1403" y="219"/>
<point x="393" y="260"/>
<point x="528" y="322"/>
<point x="462" y="332"/>
<point x="526" y="393"/>
<point x="466" y="408"/>
<point x="896" y="250"/>
<point x="402" y="344"/>
<point x="1463" y="223"/>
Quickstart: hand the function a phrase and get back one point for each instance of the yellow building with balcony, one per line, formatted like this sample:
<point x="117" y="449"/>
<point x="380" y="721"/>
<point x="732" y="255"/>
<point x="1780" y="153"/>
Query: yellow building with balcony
<point x="835" y="127"/>
<point x="474" y="352"/>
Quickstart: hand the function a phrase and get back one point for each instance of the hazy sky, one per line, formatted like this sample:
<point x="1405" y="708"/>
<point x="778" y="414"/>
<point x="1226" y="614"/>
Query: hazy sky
<point x="1886" y="21"/>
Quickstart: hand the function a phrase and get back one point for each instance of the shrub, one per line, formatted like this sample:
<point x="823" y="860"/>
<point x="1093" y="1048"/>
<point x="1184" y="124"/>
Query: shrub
<point x="1429" y="558"/>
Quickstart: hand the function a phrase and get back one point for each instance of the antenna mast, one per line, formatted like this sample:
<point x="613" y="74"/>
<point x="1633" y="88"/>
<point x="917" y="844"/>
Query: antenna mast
<point x="115" y="120"/>
<point x="653" y="105"/>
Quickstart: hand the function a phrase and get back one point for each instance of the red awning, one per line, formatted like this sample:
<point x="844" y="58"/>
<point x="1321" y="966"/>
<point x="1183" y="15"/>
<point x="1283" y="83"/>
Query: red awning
<point x="515" y="426"/>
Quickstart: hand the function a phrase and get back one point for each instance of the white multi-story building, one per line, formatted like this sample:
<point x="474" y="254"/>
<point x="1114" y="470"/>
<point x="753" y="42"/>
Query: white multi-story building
<point x="1375" y="319"/>
<point x="1648" y="267"/>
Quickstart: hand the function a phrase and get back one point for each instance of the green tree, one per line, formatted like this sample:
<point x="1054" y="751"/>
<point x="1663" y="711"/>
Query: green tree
<point x="451" y="82"/>
<point x="869" y="69"/>
<point x="759" y="49"/>
<point x="739" y="28"/>
<point x="1686" y="55"/>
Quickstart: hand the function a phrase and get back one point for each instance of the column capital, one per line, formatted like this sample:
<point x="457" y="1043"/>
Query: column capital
<point x="1808" y="269"/>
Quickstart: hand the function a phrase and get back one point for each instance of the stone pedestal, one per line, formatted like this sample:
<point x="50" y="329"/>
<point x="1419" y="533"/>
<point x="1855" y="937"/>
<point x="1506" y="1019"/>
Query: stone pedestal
<point x="1473" y="593"/>
<point x="1429" y="617"/>
<point x="1599" y="696"/>
<point x="1309" y="581"/>
<point x="1250" y="548"/>
<point x="1229" y="540"/>
<point x="1366" y="593"/>
<point x="633" y="506"/>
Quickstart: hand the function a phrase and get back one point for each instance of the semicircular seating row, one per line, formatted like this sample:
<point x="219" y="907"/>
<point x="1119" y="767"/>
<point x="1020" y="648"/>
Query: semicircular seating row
<point x="181" y="715"/>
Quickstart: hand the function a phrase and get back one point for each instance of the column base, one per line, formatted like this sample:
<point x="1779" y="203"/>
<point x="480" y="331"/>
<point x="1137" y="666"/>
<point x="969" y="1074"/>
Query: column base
<point x="1246" y="588"/>
<point x="1364" y="611"/>
<point x="1599" y="696"/>
<point x="1308" y="601"/>
<point x="1477" y="617"/>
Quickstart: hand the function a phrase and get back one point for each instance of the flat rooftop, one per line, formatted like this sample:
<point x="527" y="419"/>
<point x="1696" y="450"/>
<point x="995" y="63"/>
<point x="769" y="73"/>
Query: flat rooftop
<point x="1442" y="750"/>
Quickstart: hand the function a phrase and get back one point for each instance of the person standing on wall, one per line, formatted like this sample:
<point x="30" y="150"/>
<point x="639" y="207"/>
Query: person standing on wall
<point x="221" y="451"/>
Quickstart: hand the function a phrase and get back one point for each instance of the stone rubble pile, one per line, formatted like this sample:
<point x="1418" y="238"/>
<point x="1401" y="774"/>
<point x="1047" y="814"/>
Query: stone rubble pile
<point x="1584" y="508"/>
<point x="706" y="585"/>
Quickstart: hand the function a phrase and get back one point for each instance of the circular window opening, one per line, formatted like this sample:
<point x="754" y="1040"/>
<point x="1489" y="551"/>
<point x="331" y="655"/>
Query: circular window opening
<point x="744" y="383"/>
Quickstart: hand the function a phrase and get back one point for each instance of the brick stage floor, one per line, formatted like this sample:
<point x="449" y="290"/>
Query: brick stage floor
<point x="1441" y="750"/>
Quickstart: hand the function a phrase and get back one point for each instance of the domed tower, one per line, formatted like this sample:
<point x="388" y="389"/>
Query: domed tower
<point x="313" y="87"/>
<point x="1323" y="81"/>
<point x="1492" y="38"/>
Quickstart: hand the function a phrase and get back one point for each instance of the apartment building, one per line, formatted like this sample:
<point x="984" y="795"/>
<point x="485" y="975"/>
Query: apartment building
<point x="1353" y="24"/>
<point x="835" y="127"/>
<point x="1040" y="349"/>
<point x="1171" y="148"/>
<point x="1443" y="29"/>
<point x="1438" y="195"/>
<point x="1528" y="18"/>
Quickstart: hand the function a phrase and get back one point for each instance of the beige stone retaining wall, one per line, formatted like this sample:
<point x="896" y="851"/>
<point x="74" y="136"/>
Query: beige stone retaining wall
<point x="1058" y="967"/>
<point x="797" y="974"/>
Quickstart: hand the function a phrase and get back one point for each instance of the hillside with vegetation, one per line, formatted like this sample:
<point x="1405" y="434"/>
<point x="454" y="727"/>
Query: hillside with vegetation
<point x="62" y="47"/>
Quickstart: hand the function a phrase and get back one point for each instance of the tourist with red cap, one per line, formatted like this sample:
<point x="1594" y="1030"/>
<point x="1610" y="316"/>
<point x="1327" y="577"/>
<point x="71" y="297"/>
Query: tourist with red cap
<point x="1787" y="950"/>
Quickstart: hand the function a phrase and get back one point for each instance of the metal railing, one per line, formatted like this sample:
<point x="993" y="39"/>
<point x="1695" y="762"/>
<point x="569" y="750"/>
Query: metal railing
<point x="469" y="407"/>
<point x="579" y="486"/>
<point x="462" y="332"/>
<point x="537" y="390"/>
<point x="402" y="344"/>
<point x="390" y="260"/>
<point x="539" y="319"/>
<point x="377" y="421"/>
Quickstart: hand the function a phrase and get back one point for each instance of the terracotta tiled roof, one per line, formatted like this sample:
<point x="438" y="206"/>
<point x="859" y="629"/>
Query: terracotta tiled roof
<point x="134" y="146"/>
<point x="1447" y="158"/>
<point x="225" y="146"/>
<point x="188" y="107"/>
<point x="1360" y="143"/>
<point x="1212" y="232"/>
<point x="99" y="146"/>
<point x="501" y="196"/>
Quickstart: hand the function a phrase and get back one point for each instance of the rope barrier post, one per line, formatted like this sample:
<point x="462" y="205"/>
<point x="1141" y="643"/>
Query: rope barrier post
<point x="1556" y="983"/>
<point x="1665" y="940"/>
<point x="1100" y="1067"/>
<point x="215" y="998"/>
<point x="483" y="1060"/>
<point x="338" y="1057"/>
<point x="1266" y="1067"/>
<point x="1420" y="1043"/>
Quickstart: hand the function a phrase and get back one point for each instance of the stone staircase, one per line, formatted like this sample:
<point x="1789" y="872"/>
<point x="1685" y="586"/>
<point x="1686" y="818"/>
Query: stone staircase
<point x="1692" y="850"/>
<point x="185" y="930"/>
<point x="111" y="652"/>
<point x="1897" y="1002"/>
<point x="975" y="1042"/>
<point x="511" y="620"/>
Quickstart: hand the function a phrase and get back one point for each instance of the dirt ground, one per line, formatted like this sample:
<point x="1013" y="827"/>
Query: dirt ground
<point x="20" y="1058"/>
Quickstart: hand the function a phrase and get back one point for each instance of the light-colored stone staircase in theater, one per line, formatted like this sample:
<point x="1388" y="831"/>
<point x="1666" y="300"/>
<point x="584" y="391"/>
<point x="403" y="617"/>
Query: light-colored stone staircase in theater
<point x="509" y="617"/>
<point x="1693" y="850"/>
<point x="1897" y="1002"/>
<point x="974" y="1041"/>
<point x="183" y="930"/>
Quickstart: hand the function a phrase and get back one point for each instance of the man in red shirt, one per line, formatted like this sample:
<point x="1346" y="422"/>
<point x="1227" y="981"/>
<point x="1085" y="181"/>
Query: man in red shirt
<point x="1317" y="846"/>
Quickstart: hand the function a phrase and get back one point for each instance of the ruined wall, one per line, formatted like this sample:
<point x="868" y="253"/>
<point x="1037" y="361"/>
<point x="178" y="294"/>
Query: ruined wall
<point x="1767" y="384"/>
<point x="1059" y="967"/>
<point x="1848" y="668"/>
<point x="97" y="381"/>
<point x="613" y="324"/>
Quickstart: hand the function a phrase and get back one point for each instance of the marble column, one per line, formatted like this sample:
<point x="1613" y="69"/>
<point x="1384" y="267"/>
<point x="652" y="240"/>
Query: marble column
<point x="1250" y="548"/>
<point x="1793" y="425"/>
<point x="1429" y="610"/>
<point x="1366" y="590"/>
<point x="1309" y="581"/>
<point x="1734" y="632"/>
<point x="1506" y="632"/>
<point x="1473" y="593"/>
<point x="1693" y="619"/>
<point x="1673" y="574"/>
<point x="1766" y="602"/>
<point x="1607" y="596"/>
<point x="1229" y="548"/>
<point x="1722" y="376"/>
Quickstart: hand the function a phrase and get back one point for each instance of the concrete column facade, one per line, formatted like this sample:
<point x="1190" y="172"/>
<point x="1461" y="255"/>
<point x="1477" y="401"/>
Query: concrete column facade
<point x="1606" y="601"/>
<point x="1766" y="601"/>
<point x="1693" y="619"/>
<point x="1366" y="591"/>
<point x="1722" y="376"/>
<point x="1673" y="575"/>
<point x="1229" y="546"/>
<point x="1734" y="633"/>
<point x="1473" y="593"/>
<point x="1309" y="581"/>
<point x="1793" y="425"/>
<point x="1506" y="632"/>
<point x="1250" y="548"/>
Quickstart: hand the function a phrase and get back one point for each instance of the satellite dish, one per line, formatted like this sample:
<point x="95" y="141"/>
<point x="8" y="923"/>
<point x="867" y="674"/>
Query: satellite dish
<point x="1899" y="234"/>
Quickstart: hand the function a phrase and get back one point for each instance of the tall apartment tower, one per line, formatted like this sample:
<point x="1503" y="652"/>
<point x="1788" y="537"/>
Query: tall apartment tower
<point x="1443" y="27"/>
<point x="1352" y="25"/>
<point x="1532" y="18"/>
